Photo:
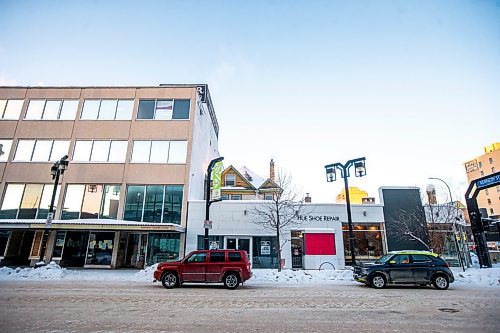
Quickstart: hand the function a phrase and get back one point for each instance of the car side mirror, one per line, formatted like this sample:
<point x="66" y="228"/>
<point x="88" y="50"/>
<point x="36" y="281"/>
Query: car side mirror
<point x="392" y="262"/>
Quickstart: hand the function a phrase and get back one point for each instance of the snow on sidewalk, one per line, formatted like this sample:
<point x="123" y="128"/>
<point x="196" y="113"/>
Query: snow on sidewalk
<point x="474" y="277"/>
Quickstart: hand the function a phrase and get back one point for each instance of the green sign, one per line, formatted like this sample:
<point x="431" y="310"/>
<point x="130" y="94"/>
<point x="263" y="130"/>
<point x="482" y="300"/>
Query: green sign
<point x="216" y="180"/>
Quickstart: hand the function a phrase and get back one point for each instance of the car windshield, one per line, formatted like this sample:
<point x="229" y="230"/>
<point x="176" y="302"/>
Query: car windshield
<point x="383" y="259"/>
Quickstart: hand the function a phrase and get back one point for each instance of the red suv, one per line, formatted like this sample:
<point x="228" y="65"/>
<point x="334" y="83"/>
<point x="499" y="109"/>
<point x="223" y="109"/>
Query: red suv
<point x="228" y="266"/>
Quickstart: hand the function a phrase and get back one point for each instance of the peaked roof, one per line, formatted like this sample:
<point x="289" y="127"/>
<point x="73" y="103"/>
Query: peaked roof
<point x="251" y="176"/>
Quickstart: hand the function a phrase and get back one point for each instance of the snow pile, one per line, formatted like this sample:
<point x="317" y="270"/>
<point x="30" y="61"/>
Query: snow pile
<point x="145" y="274"/>
<point x="485" y="277"/>
<point x="51" y="271"/>
<point x="287" y="276"/>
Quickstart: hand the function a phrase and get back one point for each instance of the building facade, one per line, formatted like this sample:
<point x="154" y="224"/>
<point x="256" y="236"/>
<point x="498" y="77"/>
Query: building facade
<point x="484" y="165"/>
<point x="136" y="156"/>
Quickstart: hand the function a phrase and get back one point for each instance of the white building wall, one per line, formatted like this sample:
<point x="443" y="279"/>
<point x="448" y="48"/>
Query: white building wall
<point x="234" y="218"/>
<point x="205" y="147"/>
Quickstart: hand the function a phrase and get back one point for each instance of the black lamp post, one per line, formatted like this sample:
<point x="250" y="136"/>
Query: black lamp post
<point x="55" y="171"/>
<point x="331" y="176"/>
<point x="208" y="202"/>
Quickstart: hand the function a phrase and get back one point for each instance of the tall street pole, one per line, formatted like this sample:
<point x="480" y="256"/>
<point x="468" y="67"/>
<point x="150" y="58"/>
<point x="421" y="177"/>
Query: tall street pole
<point x="349" y="217"/>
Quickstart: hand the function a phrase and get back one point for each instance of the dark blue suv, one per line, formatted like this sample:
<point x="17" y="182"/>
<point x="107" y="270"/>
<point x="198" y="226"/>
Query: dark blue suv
<point x="406" y="267"/>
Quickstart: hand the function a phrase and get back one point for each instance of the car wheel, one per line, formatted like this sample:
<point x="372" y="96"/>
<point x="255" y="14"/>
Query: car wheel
<point x="441" y="282"/>
<point x="378" y="281"/>
<point x="231" y="281"/>
<point x="169" y="280"/>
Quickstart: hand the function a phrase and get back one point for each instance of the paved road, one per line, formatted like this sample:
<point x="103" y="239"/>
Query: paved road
<point x="55" y="306"/>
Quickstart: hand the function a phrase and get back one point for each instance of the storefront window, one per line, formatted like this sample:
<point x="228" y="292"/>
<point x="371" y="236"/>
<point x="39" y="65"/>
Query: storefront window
<point x="214" y="242"/>
<point x="27" y="201"/>
<point x="173" y="204"/>
<point x="368" y="239"/>
<point x="163" y="247"/>
<point x="91" y="201"/>
<point x="4" y="238"/>
<point x="264" y="252"/>
<point x="100" y="248"/>
<point x="134" y="203"/>
<point x="59" y="244"/>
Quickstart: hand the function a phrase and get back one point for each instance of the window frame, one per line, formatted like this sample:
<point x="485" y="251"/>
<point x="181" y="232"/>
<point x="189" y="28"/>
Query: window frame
<point x="226" y="177"/>
<point x="92" y="141"/>
<point x="60" y="109"/>
<point x="156" y="106"/>
<point x="49" y="160"/>
<point x="100" y="100"/>
<point x="168" y="153"/>
<point x="18" y="112"/>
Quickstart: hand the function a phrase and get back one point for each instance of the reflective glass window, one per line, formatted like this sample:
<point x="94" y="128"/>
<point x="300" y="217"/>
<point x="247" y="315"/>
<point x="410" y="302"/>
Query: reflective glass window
<point x="35" y="109"/>
<point x="108" y="109"/>
<point x="153" y="204"/>
<point x="134" y="203"/>
<point x="59" y="244"/>
<point x="3" y="103"/>
<point x="82" y="151"/>
<point x="51" y="111"/>
<point x="100" y="151"/>
<point x="42" y="150"/>
<point x="45" y="200"/>
<point x="59" y="149"/>
<point x="31" y="201"/>
<point x="173" y="204"/>
<point x="4" y="237"/>
<point x="13" y="109"/>
<point x="111" y="201"/>
<point x="24" y="150"/>
<point x="162" y="247"/>
<point x="118" y="151"/>
<point x="140" y="151"/>
<point x="164" y="109"/>
<point x="181" y="109"/>
<point x="146" y="109"/>
<point x="91" y="201"/>
<point x="69" y="109"/>
<point x="72" y="202"/>
<point x="230" y="180"/>
<point x="178" y="152"/>
<point x="100" y="248"/>
<point x="124" y="109"/>
<point x="159" y="151"/>
<point x="11" y="201"/>
<point x="5" y="146"/>
<point x="90" y="109"/>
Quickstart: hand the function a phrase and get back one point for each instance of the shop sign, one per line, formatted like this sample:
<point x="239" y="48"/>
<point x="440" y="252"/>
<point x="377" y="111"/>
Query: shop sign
<point x="48" y="222"/>
<point x="265" y="247"/>
<point x="216" y="180"/>
<point x="207" y="224"/>
<point x="214" y="245"/>
<point x="318" y="218"/>
<point x="471" y="166"/>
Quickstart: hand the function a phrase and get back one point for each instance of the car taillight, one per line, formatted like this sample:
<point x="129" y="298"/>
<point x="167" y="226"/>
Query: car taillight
<point x="446" y="264"/>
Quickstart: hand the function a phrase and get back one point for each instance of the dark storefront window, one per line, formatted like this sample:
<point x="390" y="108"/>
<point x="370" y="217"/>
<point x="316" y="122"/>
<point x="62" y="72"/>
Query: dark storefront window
<point x="4" y="238"/>
<point x="214" y="242"/>
<point x="163" y="247"/>
<point x="154" y="203"/>
<point x="59" y="244"/>
<point x="264" y="252"/>
<point x="100" y="248"/>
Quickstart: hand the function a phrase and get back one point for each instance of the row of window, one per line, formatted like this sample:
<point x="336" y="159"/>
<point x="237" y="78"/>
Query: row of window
<point x="143" y="203"/>
<point x="490" y="159"/>
<point x="111" y="151"/>
<point x="95" y="109"/>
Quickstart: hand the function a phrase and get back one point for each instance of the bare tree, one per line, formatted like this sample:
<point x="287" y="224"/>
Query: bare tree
<point x="411" y="227"/>
<point x="281" y="211"/>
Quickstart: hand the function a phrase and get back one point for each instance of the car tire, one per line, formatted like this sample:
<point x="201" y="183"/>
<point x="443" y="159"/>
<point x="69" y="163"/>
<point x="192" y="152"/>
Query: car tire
<point x="231" y="281"/>
<point x="440" y="282"/>
<point x="170" y="280"/>
<point x="378" y="281"/>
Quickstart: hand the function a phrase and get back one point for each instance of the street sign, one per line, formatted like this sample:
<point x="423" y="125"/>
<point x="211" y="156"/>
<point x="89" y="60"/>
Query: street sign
<point x="207" y="224"/>
<point x="488" y="182"/>
<point x="48" y="222"/>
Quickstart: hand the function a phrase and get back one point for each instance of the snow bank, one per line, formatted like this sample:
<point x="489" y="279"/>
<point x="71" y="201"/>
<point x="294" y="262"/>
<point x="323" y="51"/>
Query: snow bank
<point x="473" y="277"/>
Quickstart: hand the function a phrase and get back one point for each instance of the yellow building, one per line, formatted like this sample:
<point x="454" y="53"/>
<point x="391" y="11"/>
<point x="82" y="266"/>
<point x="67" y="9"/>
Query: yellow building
<point x="485" y="165"/>
<point x="356" y="195"/>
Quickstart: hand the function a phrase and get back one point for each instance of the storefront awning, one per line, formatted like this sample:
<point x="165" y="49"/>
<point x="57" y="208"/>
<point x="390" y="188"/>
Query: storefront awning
<point x="91" y="224"/>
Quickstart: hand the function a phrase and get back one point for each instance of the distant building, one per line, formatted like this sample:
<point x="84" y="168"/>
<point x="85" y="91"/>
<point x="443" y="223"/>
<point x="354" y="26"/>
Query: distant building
<point x="485" y="165"/>
<point x="356" y="195"/>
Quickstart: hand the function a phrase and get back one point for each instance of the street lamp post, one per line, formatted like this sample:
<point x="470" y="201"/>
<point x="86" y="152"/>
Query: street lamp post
<point x="331" y="176"/>
<point x="55" y="171"/>
<point x="208" y="201"/>
<point x="460" y="258"/>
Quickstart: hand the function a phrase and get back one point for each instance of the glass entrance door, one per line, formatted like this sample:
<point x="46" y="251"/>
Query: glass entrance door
<point x="237" y="243"/>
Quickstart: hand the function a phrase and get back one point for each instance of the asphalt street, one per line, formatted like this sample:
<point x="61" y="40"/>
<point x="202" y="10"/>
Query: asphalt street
<point x="84" y="306"/>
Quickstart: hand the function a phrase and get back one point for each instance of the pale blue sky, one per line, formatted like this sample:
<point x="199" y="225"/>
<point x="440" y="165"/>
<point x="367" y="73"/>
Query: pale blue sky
<point x="412" y="85"/>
